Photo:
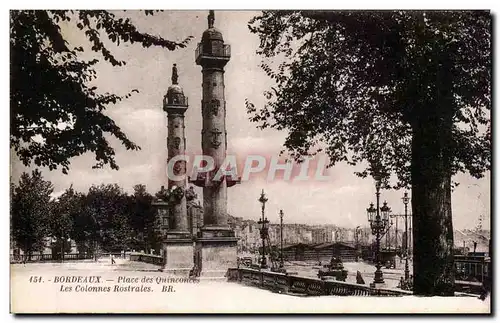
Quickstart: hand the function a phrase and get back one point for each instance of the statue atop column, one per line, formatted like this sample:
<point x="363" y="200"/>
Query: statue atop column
<point x="211" y="19"/>
<point x="175" y="76"/>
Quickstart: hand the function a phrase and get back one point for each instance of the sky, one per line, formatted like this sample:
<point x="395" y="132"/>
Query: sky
<point x="342" y="200"/>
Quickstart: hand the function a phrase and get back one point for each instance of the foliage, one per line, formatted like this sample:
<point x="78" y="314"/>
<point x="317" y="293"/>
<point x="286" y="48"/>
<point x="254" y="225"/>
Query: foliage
<point x="404" y="92"/>
<point x="106" y="210"/>
<point x="356" y="82"/>
<point x="31" y="208"/>
<point x="56" y="248"/>
<point x="85" y="229"/>
<point x="142" y="219"/>
<point x="56" y="113"/>
<point x="65" y="209"/>
<point x="105" y="217"/>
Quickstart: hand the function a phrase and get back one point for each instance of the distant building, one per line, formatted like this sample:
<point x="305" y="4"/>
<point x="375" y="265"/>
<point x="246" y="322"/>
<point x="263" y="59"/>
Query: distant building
<point x="321" y="235"/>
<point x="320" y="252"/>
<point x="350" y="235"/>
<point x="249" y="236"/>
<point x="162" y="217"/>
<point x="341" y="234"/>
<point x="249" y="240"/>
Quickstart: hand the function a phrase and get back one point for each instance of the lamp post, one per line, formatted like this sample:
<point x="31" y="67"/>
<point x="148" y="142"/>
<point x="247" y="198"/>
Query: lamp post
<point x="357" y="231"/>
<point x="399" y="248"/>
<point x="388" y="237"/>
<point x="282" y="264"/>
<point x="379" y="223"/>
<point x="410" y="237"/>
<point x="406" y="200"/>
<point x="264" y="230"/>
<point x="396" y="236"/>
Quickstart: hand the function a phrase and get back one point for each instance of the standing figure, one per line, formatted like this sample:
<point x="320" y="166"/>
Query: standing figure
<point x="359" y="278"/>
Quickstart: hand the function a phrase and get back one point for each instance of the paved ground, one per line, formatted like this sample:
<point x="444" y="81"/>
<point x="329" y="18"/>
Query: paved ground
<point x="203" y="297"/>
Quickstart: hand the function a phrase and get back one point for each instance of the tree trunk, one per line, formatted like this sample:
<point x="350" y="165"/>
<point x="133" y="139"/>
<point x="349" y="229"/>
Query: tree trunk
<point x="433" y="228"/>
<point x="433" y="265"/>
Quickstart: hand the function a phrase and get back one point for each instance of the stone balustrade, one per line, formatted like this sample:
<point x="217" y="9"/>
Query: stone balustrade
<point x="304" y="286"/>
<point x="150" y="259"/>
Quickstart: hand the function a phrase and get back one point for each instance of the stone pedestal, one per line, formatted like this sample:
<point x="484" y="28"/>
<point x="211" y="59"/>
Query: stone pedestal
<point x="378" y="285"/>
<point x="217" y="252"/>
<point x="178" y="255"/>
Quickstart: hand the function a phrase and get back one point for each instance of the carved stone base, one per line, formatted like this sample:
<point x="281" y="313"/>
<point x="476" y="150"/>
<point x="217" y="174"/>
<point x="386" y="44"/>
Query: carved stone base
<point x="178" y="256"/>
<point x="217" y="254"/>
<point x="216" y="232"/>
<point x="378" y="285"/>
<point x="173" y="236"/>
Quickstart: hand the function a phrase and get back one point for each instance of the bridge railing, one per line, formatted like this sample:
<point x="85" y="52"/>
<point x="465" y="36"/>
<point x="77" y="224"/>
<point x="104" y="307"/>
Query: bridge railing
<point x="291" y="284"/>
<point x="147" y="258"/>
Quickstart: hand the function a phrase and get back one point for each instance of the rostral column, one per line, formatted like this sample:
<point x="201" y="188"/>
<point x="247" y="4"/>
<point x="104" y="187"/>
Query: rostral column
<point x="178" y="242"/>
<point x="217" y="243"/>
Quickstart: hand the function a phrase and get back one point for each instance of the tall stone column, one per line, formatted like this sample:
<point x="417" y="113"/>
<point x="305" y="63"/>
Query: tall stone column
<point x="216" y="242"/>
<point x="178" y="244"/>
<point x="176" y="145"/>
<point x="214" y="144"/>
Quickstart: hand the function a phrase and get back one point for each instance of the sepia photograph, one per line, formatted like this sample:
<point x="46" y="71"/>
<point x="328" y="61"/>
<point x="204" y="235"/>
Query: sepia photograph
<point x="250" y="161"/>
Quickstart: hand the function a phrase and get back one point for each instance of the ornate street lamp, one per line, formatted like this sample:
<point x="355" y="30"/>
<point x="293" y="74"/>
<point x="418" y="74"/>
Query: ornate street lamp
<point x="379" y="223"/>
<point x="357" y="232"/>
<point x="388" y="236"/>
<point x="282" y="264"/>
<point x="264" y="231"/>
<point x="406" y="200"/>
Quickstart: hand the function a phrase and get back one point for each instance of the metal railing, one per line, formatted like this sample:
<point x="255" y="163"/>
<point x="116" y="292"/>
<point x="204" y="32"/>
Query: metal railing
<point x="36" y="257"/>
<point x="183" y="102"/>
<point x="223" y="51"/>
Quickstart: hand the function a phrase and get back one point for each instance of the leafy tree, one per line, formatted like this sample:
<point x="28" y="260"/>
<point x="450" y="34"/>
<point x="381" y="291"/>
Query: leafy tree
<point x="406" y="93"/>
<point x="31" y="208"/>
<point x="85" y="229"/>
<point x="57" y="245"/>
<point x="142" y="218"/>
<point x="65" y="209"/>
<point x="56" y="113"/>
<point x="106" y="212"/>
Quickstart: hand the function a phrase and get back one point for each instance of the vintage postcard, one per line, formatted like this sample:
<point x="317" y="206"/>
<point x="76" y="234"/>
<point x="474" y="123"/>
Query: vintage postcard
<point x="217" y="161"/>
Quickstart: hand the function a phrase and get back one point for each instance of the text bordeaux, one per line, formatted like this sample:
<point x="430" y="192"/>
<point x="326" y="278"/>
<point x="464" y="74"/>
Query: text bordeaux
<point x="78" y="279"/>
